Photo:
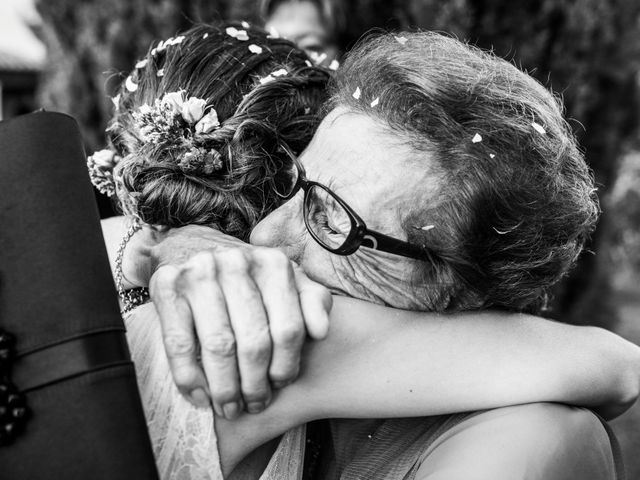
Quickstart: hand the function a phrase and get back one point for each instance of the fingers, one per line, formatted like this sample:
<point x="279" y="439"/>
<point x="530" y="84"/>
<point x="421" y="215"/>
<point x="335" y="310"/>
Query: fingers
<point x="250" y="326"/>
<point x="275" y="278"/>
<point x="215" y="334"/>
<point x="315" y="303"/>
<point x="178" y="336"/>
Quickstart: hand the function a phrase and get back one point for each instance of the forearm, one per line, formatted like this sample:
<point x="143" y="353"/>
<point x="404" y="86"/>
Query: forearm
<point x="379" y="362"/>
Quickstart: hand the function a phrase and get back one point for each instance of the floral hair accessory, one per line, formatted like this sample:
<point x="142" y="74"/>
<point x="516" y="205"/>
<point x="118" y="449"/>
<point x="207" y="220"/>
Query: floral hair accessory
<point x="178" y="121"/>
<point x="100" y="166"/>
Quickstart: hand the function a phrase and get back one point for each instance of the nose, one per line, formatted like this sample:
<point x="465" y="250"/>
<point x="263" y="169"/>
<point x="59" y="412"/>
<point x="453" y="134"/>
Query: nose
<point x="283" y="228"/>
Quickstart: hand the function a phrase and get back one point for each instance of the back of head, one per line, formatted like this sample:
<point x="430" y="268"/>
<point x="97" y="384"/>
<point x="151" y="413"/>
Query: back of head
<point x="201" y="123"/>
<point x="516" y="202"/>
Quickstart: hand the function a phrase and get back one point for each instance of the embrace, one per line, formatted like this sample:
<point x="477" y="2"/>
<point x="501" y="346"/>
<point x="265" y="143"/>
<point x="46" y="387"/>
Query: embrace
<point x="405" y="218"/>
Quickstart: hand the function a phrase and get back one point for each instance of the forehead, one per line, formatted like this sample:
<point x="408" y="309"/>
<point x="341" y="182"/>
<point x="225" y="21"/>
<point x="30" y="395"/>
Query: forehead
<point x="296" y="20"/>
<point x="353" y="145"/>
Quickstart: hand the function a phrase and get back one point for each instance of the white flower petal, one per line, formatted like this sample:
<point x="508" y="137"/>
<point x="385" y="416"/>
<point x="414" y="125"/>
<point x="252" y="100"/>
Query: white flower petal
<point x="162" y="45"/>
<point x="357" y="93"/>
<point x="401" y="40"/>
<point x="267" y="79"/>
<point x="130" y="84"/>
<point x="375" y="102"/>
<point x="160" y="72"/>
<point x="318" y="58"/>
<point x="492" y="155"/>
<point x="142" y="63"/>
<point x="255" y="49"/>
<point x="308" y="63"/>
<point x="116" y="101"/>
<point x="193" y="109"/>
<point x="154" y="51"/>
<point x="280" y="72"/>
<point x="232" y="32"/>
<point x="307" y="110"/>
<point x="205" y="36"/>
<point x="477" y="138"/>
<point x="174" y="100"/>
<point x="242" y="35"/>
<point x="426" y="228"/>
<point x="245" y="24"/>
<point x="208" y="123"/>
<point x="538" y="128"/>
<point x="334" y="65"/>
<point x="178" y="40"/>
<point x="144" y="109"/>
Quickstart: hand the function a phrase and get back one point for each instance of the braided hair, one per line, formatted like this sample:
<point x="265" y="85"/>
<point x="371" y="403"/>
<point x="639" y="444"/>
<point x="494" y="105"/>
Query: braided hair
<point x="261" y="116"/>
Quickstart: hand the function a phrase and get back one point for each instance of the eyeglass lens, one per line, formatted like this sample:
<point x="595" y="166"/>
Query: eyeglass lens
<point x="326" y="218"/>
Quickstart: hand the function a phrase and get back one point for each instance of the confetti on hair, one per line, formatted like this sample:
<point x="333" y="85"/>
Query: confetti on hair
<point x="401" y="40"/>
<point x="142" y="63"/>
<point x="375" y="102"/>
<point x="237" y="34"/>
<point x="154" y="51"/>
<point x="538" y="128"/>
<point x="334" y="65"/>
<point x="130" y="84"/>
<point x="116" y="101"/>
<point x="357" y="93"/>
<point x="267" y="79"/>
<point x="492" y="155"/>
<point x="318" y="58"/>
<point x="280" y="73"/>
<point x="477" y="138"/>
<point x="245" y="24"/>
<point x="160" y="72"/>
<point x="426" y="228"/>
<point x="308" y="63"/>
<point x="205" y="36"/>
<point x="255" y="49"/>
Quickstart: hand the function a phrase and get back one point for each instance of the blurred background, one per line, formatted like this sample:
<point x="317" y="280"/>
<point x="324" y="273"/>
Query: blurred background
<point x="70" y="56"/>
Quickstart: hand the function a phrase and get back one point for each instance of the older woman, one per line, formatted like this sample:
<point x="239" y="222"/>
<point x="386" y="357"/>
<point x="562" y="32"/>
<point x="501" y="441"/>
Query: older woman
<point x="474" y="195"/>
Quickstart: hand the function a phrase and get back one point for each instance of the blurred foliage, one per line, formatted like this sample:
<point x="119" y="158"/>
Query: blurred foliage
<point x="586" y="50"/>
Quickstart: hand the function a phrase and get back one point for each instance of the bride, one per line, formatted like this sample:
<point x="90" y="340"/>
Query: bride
<point x="202" y="133"/>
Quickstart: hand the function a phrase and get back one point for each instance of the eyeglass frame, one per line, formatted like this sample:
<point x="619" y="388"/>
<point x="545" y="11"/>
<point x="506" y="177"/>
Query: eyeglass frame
<point x="359" y="234"/>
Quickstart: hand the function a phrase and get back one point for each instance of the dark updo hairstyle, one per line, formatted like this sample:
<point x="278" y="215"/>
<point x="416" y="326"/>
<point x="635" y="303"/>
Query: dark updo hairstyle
<point x="259" y="121"/>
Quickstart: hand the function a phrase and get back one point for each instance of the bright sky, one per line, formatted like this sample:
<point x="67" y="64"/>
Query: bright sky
<point x="15" y="36"/>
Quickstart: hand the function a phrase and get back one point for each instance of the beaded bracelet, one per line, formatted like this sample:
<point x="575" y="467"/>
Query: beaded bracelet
<point x="131" y="298"/>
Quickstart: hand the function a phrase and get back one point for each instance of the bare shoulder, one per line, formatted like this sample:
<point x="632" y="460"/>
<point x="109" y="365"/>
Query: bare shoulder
<point x="535" y="441"/>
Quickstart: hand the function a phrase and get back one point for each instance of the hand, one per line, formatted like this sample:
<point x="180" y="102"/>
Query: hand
<point x="250" y="307"/>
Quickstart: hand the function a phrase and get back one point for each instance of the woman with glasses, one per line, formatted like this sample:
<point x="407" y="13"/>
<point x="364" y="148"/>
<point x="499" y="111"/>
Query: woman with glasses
<point x="207" y="129"/>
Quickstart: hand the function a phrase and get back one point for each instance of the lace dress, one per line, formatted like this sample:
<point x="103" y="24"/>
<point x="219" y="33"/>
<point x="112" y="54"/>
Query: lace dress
<point x="183" y="436"/>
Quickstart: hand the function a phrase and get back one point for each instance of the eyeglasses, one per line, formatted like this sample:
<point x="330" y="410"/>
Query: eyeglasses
<point x="334" y="224"/>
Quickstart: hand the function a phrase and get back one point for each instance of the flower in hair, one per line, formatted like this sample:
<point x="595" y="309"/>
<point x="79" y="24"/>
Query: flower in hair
<point x="208" y="123"/>
<point x="100" y="166"/>
<point x="237" y="34"/>
<point x="193" y="110"/>
<point x="538" y="128"/>
<point x="130" y="84"/>
<point x="255" y="49"/>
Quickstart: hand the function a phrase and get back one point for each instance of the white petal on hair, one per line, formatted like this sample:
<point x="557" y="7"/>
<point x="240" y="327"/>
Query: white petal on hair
<point x="281" y="72"/>
<point x="357" y="93"/>
<point x="375" y="102"/>
<point x="208" y="123"/>
<point x="308" y="63"/>
<point x="267" y="79"/>
<point x="116" y="101"/>
<point x="273" y="33"/>
<point x="154" y="51"/>
<point x="160" y="72"/>
<point x="538" y="128"/>
<point x="142" y="63"/>
<point x="205" y="36"/>
<point x="245" y="24"/>
<point x="193" y="109"/>
<point x="426" y="228"/>
<point x="145" y="109"/>
<point x="178" y="40"/>
<point x="232" y="32"/>
<point x="242" y="36"/>
<point x="477" y="138"/>
<point x="334" y="65"/>
<point x="492" y="155"/>
<point x="401" y="40"/>
<point x="130" y="84"/>
<point x="318" y="58"/>
<point x="307" y="110"/>
<point x="162" y="45"/>
<point x="255" y="49"/>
